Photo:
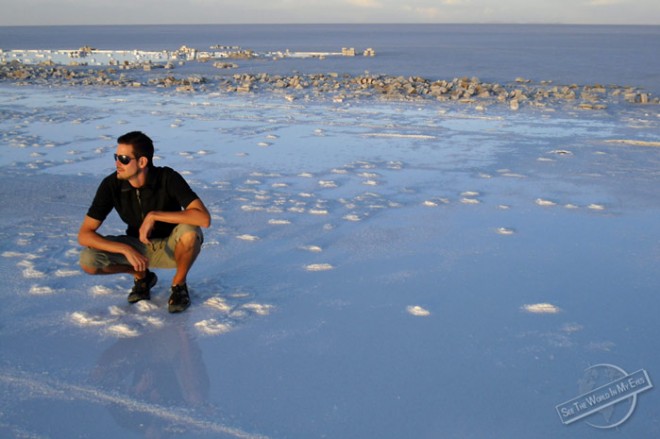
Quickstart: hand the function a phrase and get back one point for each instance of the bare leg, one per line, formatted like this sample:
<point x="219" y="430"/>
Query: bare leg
<point x="185" y="253"/>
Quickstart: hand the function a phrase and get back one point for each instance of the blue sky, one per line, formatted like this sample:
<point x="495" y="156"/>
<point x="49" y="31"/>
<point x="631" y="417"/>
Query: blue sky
<point x="43" y="12"/>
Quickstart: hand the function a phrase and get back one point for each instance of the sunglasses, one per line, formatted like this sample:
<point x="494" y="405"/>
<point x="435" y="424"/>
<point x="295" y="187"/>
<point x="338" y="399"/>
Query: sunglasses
<point x="124" y="159"/>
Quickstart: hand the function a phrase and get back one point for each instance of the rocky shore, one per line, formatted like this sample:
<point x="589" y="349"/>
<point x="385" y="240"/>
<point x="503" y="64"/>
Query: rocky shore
<point x="338" y="87"/>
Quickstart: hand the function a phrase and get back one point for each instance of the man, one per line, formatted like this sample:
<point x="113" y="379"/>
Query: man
<point x="163" y="215"/>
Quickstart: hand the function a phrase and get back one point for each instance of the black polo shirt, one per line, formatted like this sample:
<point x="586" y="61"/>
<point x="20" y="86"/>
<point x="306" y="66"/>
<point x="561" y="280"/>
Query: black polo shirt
<point x="165" y="190"/>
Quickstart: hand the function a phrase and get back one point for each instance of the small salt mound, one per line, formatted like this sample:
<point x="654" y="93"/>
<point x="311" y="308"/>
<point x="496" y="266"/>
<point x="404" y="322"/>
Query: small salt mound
<point x="278" y="222"/>
<point x="100" y="290"/>
<point x="247" y="237"/>
<point x="41" y="291"/>
<point x="83" y="319"/>
<point x="258" y="308"/>
<point x="213" y="327"/>
<point x="596" y="207"/>
<point x="418" y="311"/>
<point x="351" y="217"/>
<point x="121" y="330"/>
<point x="542" y="202"/>
<point x="145" y="306"/>
<point x="312" y="248"/>
<point x="470" y="201"/>
<point x="505" y="231"/>
<point x="327" y="184"/>
<point x="470" y="194"/>
<point x="219" y="304"/>
<point x="541" y="308"/>
<point x="66" y="273"/>
<point x="319" y="267"/>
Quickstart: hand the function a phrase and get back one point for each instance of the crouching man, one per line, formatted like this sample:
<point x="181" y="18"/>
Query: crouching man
<point x="164" y="218"/>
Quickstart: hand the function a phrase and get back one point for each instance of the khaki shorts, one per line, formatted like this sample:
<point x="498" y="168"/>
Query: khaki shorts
<point x="160" y="251"/>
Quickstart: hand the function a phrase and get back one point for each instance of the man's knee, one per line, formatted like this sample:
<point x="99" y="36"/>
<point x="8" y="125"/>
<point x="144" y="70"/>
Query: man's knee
<point x="89" y="261"/>
<point x="190" y="240"/>
<point x="90" y="270"/>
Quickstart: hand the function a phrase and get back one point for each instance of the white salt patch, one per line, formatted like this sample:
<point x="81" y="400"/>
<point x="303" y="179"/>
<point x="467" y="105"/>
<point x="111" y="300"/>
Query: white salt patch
<point x="418" y="311"/>
<point x="263" y="144"/>
<point x="319" y="267"/>
<point x="296" y="209"/>
<point x="10" y="254"/>
<point x="306" y="195"/>
<point x="32" y="273"/>
<point x="213" y="327"/>
<point x="279" y="185"/>
<point x="66" y="273"/>
<point x="429" y="203"/>
<point x="41" y="291"/>
<point x="155" y="322"/>
<point x="252" y="182"/>
<point x="100" y="290"/>
<point x="505" y="231"/>
<point x="352" y="217"/>
<point x="504" y="207"/>
<point x="541" y="308"/>
<point x="278" y="222"/>
<point x="318" y="212"/>
<point x="339" y="171"/>
<point x="219" y="304"/>
<point x="312" y="248"/>
<point x="542" y="202"/>
<point x="596" y="207"/>
<point x="327" y="183"/>
<point x="561" y="152"/>
<point x="145" y="306"/>
<point x="544" y="159"/>
<point x="470" y="201"/>
<point x="370" y="183"/>
<point x="470" y="194"/>
<point x="272" y="137"/>
<point x="258" y="308"/>
<point x="122" y="330"/>
<point x="83" y="319"/>
<point x="116" y="311"/>
<point x="306" y="175"/>
<point x="247" y="237"/>
<point x="513" y="175"/>
<point x="570" y="206"/>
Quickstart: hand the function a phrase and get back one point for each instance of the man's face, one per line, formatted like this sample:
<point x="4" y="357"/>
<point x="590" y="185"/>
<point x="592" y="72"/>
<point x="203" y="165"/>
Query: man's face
<point x="125" y="172"/>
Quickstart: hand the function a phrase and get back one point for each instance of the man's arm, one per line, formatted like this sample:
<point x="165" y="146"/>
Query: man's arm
<point x="194" y="214"/>
<point x="88" y="237"/>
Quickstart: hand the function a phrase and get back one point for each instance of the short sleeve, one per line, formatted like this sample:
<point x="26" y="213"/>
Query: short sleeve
<point x="102" y="204"/>
<point x="179" y="188"/>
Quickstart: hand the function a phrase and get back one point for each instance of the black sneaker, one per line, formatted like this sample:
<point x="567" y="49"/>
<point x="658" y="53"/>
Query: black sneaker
<point x="142" y="288"/>
<point x="179" y="299"/>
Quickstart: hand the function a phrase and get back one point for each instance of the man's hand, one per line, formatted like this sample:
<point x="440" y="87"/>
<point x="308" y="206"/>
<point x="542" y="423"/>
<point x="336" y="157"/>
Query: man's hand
<point x="146" y="228"/>
<point x="136" y="259"/>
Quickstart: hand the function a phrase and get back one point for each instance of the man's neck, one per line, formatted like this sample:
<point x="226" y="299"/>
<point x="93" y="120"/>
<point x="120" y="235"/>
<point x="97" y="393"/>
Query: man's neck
<point x="140" y="179"/>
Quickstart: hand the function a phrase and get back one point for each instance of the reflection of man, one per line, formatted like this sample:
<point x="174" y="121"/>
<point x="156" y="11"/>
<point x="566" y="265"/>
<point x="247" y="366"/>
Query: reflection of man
<point x="162" y="369"/>
<point x="163" y="215"/>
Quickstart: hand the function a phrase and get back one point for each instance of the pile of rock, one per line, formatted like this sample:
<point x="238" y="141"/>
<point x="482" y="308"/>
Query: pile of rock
<point x="339" y="88"/>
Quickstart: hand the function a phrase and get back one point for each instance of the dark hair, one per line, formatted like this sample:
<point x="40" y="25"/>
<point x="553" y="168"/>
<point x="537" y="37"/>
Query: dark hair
<point x="141" y="143"/>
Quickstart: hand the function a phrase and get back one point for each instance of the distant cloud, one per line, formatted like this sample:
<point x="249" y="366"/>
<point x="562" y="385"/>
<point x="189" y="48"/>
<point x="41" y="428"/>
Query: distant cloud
<point x="364" y="3"/>
<point x="605" y="2"/>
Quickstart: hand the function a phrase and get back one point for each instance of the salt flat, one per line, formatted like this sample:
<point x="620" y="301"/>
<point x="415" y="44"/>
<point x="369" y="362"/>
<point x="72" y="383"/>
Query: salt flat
<point x="373" y="269"/>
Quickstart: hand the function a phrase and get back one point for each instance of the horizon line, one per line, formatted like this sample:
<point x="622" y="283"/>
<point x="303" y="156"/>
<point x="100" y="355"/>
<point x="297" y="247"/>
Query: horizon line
<point x="484" y="23"/>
